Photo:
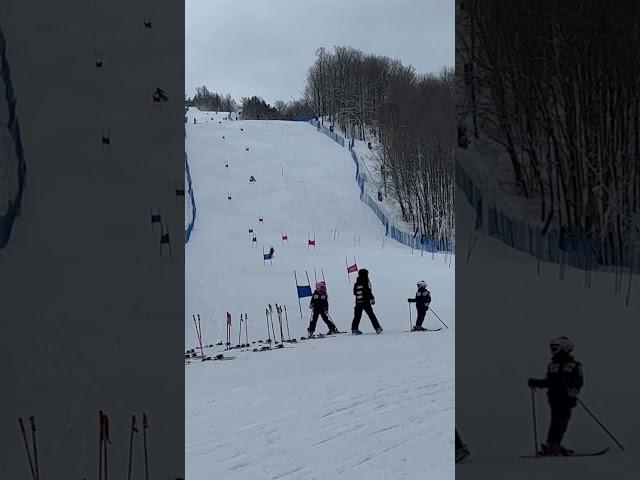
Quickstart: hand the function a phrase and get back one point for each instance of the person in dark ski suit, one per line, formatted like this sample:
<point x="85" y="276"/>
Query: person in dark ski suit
<point x="422" y="301"/>
<point x="364" y="301"/>
<point x="319" y="306"/>
<point x="563" y="383"/>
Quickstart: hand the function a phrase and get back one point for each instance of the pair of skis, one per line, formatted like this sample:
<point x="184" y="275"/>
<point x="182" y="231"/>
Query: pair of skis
<point x="425" y="330"/>
<point x="576" y="454"/>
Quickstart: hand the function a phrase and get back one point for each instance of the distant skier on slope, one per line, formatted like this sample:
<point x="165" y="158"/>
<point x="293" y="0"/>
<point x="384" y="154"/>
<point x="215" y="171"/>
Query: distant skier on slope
<point x="364" y="301"/>
<point x="319" y="306"/>
<point x="422" y="301"/>
<point x="563" y="383"/>
<point x="252" y="179"/>
<point x="462" y="451"/>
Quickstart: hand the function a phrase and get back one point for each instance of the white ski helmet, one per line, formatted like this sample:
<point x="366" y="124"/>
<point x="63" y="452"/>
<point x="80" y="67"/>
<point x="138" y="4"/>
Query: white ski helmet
<point x="561" y="344"/>
<point x="422" y="284"/>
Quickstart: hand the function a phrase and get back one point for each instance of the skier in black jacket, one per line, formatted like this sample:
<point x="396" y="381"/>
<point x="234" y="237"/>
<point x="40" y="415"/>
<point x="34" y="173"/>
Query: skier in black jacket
<point x="563" y="383"/>
<point x="422" y="301"/>
<point x="364" y="302"/>
<point x="319" y="306"/>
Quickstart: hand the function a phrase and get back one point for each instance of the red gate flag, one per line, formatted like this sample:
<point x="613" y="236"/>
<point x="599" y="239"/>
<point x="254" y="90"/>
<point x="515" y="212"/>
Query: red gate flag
<point x="228" y="318"/>
<point x="353" y="268"/>
<point x="312" y="242"/>
<point x="285" y="237"/>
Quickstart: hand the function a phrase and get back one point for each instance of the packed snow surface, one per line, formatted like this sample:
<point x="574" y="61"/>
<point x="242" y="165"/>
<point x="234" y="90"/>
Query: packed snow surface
<point x="367" y="407"/>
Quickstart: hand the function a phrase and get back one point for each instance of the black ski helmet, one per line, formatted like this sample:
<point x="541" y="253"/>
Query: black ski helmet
<point x="363" y="273"/>
<point x="561" y="344"/>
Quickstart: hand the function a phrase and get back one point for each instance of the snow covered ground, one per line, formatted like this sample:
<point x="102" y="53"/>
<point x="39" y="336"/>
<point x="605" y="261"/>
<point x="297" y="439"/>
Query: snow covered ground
<point x="374" y="407"/>
<point x="508" y="316"/>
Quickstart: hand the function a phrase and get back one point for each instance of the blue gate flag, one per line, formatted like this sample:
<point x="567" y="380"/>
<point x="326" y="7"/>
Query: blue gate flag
<point x="304" y="291"/>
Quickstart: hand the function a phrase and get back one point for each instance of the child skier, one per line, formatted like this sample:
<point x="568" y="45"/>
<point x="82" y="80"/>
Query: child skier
<point x="364" y="301"/>
<point x="422" y="301"/>
<point x="319" y="306"/>
<point x="563" y="383"/>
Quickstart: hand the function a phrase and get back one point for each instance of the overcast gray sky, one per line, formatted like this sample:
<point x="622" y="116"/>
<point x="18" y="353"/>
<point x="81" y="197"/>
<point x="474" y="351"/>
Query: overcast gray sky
<point x="264" y="47"/>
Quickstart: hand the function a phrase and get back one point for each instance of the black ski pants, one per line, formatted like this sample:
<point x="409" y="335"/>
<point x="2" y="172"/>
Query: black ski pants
<point x="422" y="312"/>
<point x="314" y="320"/>
<point x="560" y="415"/>
<point x="357" y="315"/>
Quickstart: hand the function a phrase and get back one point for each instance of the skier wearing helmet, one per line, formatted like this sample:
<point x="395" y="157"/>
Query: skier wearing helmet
<point x="364" y="301"/>
<point x="563" y="383"/>
<point x="319" y="306"/>
<point x="422" y="301"/>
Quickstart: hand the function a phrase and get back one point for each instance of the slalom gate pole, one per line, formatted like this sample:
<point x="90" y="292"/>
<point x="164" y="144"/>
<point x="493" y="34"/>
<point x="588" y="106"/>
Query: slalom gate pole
<point x="601" y="425"/>
<point x="240" y="330"/>
<point x="410" y="321"/>
<point x="26" y="446"/>
<point x="295" y="276"/>
<point x="535" y="423"/>
<point x="286" y="317"/>
<point x="35" y="447"/>
<point x="438" y="317"/>
<point x="266" y="311"/>
<point x="145" y="425"/>
<point x="130" y="463"/>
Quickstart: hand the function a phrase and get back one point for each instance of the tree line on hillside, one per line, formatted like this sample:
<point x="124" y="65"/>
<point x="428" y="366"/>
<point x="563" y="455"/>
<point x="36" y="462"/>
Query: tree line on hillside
<point x="560" y="93"/>
<point x="412" y="117"/>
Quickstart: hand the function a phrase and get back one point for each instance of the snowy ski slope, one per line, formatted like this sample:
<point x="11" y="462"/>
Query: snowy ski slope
<point x="504" y="341"/>
<point x="374" y="407"/>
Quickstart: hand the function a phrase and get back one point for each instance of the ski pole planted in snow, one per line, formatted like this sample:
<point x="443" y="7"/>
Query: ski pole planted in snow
<point x="438" y="317"/>
<point x="535" y="423"/>
<point x="266" y="311"/>
<point x="246" y="329"/>
<point x="145" y="426"/>
<point x="600" y="424"/>
<point x="26" y="446"/>
<point x="286" y="317"/>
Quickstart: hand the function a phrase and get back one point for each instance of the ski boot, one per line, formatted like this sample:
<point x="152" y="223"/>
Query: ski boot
<point x="555" y="450"/>
<point x="379" y="330"/>
<point x="356" y="332"/>
<point x="310" y="334"/>
<point x="333" y="331"/>
<point x="462" y="453"/>
<point x="418" y="328"/>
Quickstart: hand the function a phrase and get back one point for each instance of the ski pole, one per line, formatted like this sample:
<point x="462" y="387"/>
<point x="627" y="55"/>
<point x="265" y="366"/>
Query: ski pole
<point x="26" y="446"/>
<point x="600" y="423"/>
<point x="266" y="312"/>
<point x="145" y="425"/>
<point x="133" y="429"/>
<point x="279" y="311"/>
<point x="240" y="331"/>
<point x="535" y="423"/>
<point x="286" y="317"/>
<point x="438" y="317"/>
<point x="35" y="446"/>
<point x="273" y="330"/>
<point x="246" y="329"/>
